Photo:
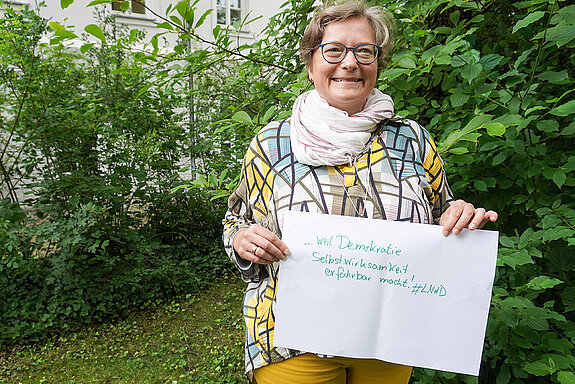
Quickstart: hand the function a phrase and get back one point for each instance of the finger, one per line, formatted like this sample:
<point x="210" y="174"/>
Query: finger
<point x="258" y="246"/>
<point x="253" y="252"/>
<point x="242" y="243"/>
<point x="464" y="219"/>
<point x="268" y="244"/>
<point x="450" y="217"/>
<point x="274" y="240"/>
<point x="261" y="256"/>
<point x="479" y="219"/>
<point x="491" y="216"/>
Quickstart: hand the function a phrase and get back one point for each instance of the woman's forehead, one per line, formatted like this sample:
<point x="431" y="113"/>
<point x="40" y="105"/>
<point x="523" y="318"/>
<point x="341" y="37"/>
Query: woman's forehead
<point x="354" y="29"/>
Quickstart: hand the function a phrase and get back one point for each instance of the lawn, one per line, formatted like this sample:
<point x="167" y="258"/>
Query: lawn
<point x="191" y="339"/>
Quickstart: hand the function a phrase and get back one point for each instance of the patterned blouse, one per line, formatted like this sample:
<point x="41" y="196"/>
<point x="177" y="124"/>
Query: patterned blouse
<point x="398" y="176"/>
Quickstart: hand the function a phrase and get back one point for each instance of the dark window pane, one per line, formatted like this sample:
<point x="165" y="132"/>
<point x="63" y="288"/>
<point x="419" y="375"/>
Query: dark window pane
<point x="116" y="5"/>
<point x="235" y="3"/>
<point x="235" y="15"/>
<point x="138" y="6"/>
<point x="221" y="15"/>
<point x="222" y="2"/>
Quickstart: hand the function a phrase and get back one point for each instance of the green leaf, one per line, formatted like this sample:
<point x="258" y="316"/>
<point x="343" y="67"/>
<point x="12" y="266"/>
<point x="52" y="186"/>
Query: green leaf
<point x="554" y="77"/>
<point x="558" y="233"/>
<point x="495" y="129"/>
<point x="506" y="241"/>
<point x="542" y="283"/>
<point x="86" y="47"/>
<point x="500" y="158"/>
<point x="458" y="99"/>
<point x="176" y="20"/>
<point x="536" y="323"/>
<point x="528" y="20"/>
<point x="242" y="117"/>
<point x="65" y="3"/>
<point x="96" y="31"/>
<point x="61" y="31"/>
<point x="508" y="316"/>
<point x="143" y="89"/>
<point x="268" y="114"/>
<point x="490" y="61"/>
<point x="569" y="130"/>
<point x="522" y="257"/>
<point x="443" y="59"/>
<point x="459" y="150"/>
<point x="560" y="34"/>
<point x="564" y="109"/>
<point x="96" y="2"/>
<point x="185" y="11"/>
<point x="517" y="302"/>
<point x="566" y="377"/>
<point x="559" y="177"/>
<point x="203" y="18"/>
<point x="407" y="62"/>
<point x="548" y="125"/>
<point x="393" y="73"/>
<point x="538" y="368"/>
<point x="568" y="14"/>
<point x="480" y="185"/>
<point x="125" y="6"/>
<point x="470" y="72"/>
<point x="504" y="375"/>
<point x="465" y="133"/>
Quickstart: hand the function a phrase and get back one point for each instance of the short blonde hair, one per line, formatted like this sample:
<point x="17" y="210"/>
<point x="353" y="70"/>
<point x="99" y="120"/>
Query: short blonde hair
<point x="381" y="22"/>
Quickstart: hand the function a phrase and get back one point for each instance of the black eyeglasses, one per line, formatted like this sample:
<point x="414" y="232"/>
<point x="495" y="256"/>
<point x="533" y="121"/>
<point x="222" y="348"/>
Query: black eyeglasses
<point x="334" y="53"/>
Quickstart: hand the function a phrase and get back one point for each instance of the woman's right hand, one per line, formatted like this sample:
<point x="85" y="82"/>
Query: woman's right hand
<point x="260" y="245"/>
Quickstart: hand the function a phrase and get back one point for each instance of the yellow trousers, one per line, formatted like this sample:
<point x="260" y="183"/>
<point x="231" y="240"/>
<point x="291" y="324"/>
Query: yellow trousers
<point x="311" y="369"/>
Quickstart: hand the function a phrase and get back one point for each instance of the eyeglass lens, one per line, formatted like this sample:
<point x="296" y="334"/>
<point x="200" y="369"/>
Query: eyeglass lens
<point x="335" y="52"/>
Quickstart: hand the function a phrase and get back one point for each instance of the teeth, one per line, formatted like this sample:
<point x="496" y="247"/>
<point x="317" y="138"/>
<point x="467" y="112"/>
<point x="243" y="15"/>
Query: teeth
<point x="347" y="80"/>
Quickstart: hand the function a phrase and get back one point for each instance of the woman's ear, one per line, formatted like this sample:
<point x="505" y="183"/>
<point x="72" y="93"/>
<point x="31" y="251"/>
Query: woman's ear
<point x="309" y="73"/>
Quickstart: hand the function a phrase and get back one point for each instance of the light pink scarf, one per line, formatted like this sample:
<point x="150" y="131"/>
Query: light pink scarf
<point x="324" y="135"/>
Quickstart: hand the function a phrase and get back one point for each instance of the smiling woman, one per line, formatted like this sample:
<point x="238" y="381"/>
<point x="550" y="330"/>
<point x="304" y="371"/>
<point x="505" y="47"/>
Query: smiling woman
<point x="342" y="152"/>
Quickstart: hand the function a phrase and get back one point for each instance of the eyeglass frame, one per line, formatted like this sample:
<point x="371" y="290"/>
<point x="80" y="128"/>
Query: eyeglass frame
<point x="347" y="49"/>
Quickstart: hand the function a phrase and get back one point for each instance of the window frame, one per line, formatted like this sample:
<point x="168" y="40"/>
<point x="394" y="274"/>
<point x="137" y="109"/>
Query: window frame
<point x="140" y="3"/>
<point x="15" y="2"/>
<point x="243" y="9"/>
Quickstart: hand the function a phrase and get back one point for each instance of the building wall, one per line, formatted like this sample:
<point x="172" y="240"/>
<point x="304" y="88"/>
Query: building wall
<point x="78" y="15"/>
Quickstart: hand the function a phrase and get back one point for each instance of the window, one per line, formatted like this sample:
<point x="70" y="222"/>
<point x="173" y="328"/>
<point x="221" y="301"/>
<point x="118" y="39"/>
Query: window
<point x="228" y="11"/>
<point x="136" y="6"/>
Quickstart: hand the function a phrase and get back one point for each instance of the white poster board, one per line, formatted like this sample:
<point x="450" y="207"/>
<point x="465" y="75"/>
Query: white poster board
<point x="398" y="292"/>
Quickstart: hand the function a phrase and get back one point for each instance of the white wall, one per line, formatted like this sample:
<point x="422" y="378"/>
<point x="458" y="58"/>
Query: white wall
<point x="79" y="15"/>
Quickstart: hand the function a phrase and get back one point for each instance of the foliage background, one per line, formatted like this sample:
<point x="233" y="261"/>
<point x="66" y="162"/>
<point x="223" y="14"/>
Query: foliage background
<point x="491" y="80"/>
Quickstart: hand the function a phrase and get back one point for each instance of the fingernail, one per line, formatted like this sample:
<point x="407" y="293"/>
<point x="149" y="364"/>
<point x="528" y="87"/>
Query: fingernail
<point x="472" y="227"/>
<point x="286" y="252"/>
<point x="445" y="233"/>
<point x="456" y="231"/>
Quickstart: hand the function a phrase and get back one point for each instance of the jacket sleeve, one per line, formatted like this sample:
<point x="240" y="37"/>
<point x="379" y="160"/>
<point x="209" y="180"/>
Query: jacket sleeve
<point x="439" y="194"/>
<point x="249" y="204"/>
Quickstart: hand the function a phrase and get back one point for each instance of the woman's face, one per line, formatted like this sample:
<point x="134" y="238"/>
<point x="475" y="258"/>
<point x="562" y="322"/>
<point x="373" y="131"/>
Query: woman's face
<point x="347" y="84"/>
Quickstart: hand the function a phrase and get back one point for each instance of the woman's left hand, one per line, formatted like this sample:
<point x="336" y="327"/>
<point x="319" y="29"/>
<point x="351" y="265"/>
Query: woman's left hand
<point x="464" y="215"/>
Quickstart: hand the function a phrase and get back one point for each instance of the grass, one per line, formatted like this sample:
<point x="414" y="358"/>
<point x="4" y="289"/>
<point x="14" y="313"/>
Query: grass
<point x="191" y="339"/>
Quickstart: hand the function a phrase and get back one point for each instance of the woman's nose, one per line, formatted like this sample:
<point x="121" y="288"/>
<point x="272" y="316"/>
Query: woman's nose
<point x="349" y="60"/>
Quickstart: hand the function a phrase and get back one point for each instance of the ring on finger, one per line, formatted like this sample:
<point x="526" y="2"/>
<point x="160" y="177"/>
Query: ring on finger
<point x="255" y="249"/>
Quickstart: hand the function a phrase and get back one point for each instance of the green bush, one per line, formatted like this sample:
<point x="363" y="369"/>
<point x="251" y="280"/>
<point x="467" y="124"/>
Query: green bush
<point x="103" y="232"/>
<point x="493" y="82"/>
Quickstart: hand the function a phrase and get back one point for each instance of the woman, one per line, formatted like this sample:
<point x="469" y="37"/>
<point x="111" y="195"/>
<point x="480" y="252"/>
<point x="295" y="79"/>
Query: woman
<point x="342" y="152"/>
